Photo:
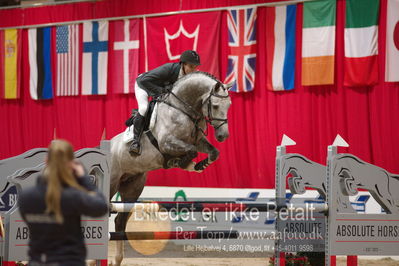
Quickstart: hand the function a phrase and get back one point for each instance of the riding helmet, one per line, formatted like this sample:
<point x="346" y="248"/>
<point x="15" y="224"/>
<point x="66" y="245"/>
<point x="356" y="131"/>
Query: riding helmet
<point x="190" y="57"/>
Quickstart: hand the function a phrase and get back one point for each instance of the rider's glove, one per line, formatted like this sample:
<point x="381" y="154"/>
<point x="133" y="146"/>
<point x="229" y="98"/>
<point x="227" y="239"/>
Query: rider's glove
<point x="167" y="88"/>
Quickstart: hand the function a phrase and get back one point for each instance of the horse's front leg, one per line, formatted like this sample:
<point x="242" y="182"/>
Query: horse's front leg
<point x="205" y="147"/>
<point x="177" y="147"/>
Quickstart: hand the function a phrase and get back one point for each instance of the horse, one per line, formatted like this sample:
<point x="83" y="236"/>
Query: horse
<point x="354" y="174"/>
<point x="178" y="123"/>
<point x="304" y="173"/>
<point x="11" y="166"/>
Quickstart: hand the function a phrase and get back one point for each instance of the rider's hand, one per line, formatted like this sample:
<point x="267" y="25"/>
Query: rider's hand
<point x="77" y="168"/>
<point x="167" y="88"/>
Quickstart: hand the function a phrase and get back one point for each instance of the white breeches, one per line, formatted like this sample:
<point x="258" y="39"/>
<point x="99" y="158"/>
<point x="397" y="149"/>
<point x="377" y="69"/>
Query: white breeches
<point x="142" y="99"/>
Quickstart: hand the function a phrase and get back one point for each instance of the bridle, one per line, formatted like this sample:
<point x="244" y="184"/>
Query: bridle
<point x="210" y="118"/>
<point x="198" y="116"/>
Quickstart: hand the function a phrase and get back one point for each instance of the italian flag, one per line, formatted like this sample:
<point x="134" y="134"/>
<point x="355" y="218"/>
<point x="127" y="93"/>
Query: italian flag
<point x="318" y="42"/>
<point x="361" y="42"/>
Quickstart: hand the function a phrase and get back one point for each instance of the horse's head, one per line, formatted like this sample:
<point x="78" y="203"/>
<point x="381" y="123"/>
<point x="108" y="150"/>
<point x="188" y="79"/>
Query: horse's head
<point x="215" y="107"/>
<point x="201" y="94"/>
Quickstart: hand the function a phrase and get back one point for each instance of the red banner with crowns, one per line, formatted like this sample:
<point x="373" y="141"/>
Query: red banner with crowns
<point x="167" y="37"/>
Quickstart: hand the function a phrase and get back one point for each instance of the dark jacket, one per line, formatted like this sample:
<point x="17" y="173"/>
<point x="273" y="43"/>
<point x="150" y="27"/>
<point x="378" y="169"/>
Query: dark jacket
<point x="155" y="81"/>
<point x="53" y="242"/>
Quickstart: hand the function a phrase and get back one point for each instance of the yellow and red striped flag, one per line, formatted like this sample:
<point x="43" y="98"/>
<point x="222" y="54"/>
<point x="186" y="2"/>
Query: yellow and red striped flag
<point x="10" y="63"/>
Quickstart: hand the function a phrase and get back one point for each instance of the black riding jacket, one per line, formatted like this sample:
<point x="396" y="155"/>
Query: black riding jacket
<point x="52" y="242"/>
<point x="156" y="81"/>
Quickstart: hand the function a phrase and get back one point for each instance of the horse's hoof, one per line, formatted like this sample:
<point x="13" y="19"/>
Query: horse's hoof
<point x="201" y="166"/>
<point x="191" y="168"/>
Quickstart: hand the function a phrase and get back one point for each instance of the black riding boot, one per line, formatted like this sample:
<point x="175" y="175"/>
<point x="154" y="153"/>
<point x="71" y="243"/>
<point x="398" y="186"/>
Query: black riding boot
<point x="135" y="148"/>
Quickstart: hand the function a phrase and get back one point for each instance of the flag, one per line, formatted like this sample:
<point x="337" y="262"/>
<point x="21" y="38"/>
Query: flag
<point x="165" y="38"/>
<point x="124" y="55"/>
<point x="392" y="42"/>
<point x="95" y="57"/>
<point x="40" y="80"/>
<point x="280" y="47"/>
<point x="318" y="42"/>
<point x="67" y="49"/>
<point x="242" y="49"/>
<point x="10" y="63"/>
<point x="361" y="42"/>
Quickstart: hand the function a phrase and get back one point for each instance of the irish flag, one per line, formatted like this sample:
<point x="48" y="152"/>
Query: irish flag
<point x="280" y="47"/>
<point x="318" y="42"/>
<point x="361" y="42"/>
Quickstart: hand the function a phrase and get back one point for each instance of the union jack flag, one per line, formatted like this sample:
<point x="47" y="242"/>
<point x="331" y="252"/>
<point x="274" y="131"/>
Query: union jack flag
<point x="242" y="46"/>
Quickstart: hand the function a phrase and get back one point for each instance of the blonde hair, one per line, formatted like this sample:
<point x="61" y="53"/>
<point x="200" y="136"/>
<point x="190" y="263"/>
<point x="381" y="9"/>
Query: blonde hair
<point x="58" y="173"/>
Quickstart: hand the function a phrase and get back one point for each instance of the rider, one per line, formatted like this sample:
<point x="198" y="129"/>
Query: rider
<point x="156" y="82"/>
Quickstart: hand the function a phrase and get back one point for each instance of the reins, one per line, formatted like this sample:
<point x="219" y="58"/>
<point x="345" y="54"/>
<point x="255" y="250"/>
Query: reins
<point x="198" y="116"/>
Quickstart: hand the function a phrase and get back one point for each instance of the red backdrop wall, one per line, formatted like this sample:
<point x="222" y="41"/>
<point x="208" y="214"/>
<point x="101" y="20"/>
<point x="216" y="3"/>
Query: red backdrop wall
<point x="367" y="117"/>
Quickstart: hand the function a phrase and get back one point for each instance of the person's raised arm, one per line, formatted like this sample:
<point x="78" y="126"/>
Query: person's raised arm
<point x="93" y="202"/>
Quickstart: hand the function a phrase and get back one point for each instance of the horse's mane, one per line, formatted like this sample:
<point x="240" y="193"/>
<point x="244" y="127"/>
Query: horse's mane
<point x="206" y="74"/>
<point x="198" y="73"/>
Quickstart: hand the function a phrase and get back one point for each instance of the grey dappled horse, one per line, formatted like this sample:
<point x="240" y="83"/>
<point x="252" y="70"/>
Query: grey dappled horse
<point x="178" y="123"/>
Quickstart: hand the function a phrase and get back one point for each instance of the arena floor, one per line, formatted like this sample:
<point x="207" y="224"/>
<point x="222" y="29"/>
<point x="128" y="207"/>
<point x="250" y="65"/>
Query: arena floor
<point x="231" y="261"/>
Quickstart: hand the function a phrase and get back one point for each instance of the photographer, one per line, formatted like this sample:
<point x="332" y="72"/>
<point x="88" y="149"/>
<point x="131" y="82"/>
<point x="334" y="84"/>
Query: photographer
<point x="52" y="209"/>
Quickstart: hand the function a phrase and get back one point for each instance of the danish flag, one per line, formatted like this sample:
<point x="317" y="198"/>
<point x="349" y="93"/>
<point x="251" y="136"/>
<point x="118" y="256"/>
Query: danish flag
<point x="242" y="47"/>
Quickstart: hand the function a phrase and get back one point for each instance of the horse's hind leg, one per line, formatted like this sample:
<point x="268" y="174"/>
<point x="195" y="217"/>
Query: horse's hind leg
<point x="130" y="190"/>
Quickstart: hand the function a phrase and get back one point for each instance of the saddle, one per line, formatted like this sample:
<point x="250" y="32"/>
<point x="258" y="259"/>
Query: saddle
<point x="147" y="131"/>
<point x="147" y="116"/>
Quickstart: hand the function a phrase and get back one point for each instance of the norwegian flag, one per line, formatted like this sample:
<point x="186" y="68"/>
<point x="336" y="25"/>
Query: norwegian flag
<point x="242" y="46"/>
